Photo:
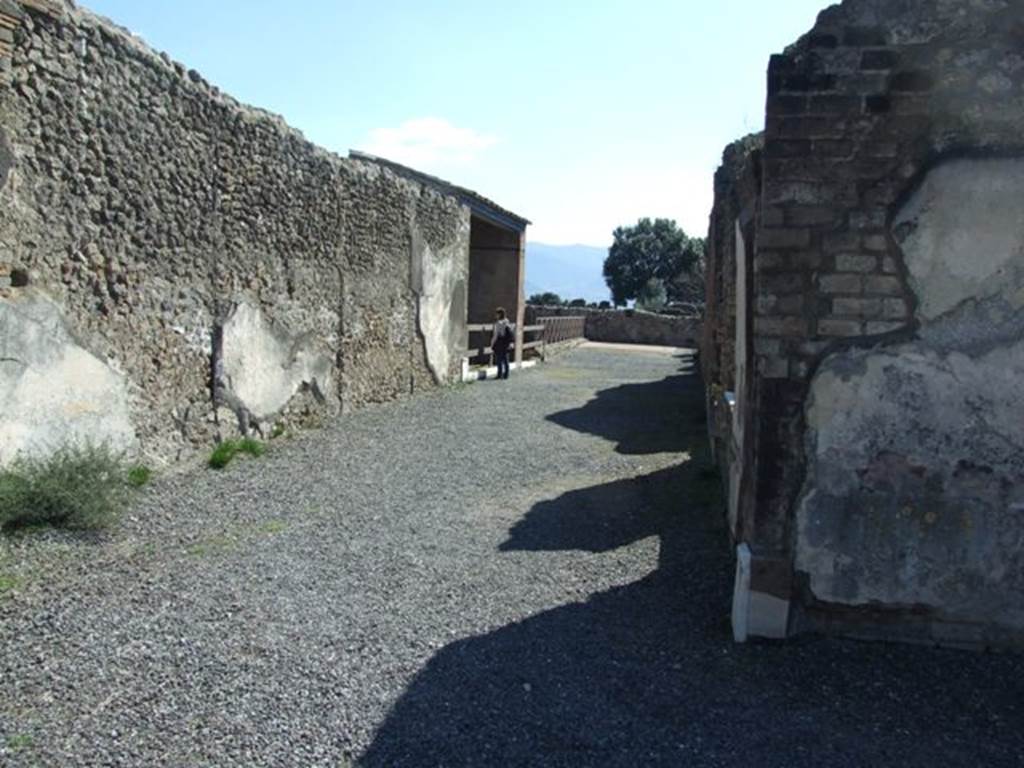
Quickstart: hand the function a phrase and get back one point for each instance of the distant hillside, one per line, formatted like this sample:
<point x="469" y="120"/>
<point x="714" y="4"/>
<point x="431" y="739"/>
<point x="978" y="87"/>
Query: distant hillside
<point x="571" y="271"/>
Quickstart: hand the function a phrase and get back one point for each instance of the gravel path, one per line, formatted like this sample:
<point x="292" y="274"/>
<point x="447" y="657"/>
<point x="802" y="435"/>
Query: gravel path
<point x="513" y="573"/>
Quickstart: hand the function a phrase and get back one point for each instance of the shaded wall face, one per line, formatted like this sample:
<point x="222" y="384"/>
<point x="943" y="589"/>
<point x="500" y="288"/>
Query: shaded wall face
<point x="915" y="487"/>
<point x="888" y="279"/>
<point x="168" y="227"/>
<point x="727" y="355"/>
<point x="494" y="271"/>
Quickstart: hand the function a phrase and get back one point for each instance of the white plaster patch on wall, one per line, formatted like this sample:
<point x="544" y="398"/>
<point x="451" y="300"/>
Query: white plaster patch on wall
<point x="962" y="232"/>
<point x="53" y="391"/>
<point x="914" y="470"/>
<point x="266" y="367"/>
<point x="442" y="281"/>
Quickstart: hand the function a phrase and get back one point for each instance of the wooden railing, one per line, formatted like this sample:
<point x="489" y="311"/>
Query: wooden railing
<point x="548" y="330"/>
<point x="558" y="329"/>
<point x="483" y="349"/>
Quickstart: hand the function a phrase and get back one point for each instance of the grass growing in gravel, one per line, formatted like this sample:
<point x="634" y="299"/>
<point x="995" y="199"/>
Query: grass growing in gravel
<point x="139" y="476"/>
<point x="19" y="742"/>
<point x="273" y="527"/>
<point x="212" y="545"/>
<point x="7" y="583"/>
<point x="74" y="487"/>
<point x="224" y="453"/>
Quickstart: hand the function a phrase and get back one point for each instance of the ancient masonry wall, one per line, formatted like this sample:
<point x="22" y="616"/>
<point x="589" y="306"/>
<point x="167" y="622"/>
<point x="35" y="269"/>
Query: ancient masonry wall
<point x="888" y="291"/>
<point x="629" y="326"/>
<point x="188" y="266"/>
<point x="725" y="348"/>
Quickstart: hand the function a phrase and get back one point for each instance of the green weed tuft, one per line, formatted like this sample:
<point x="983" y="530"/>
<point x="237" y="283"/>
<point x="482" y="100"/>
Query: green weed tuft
<point x="273" y="527"/>
<point x="8" y="583"/>
<point x="74" y="487"/>
<point x="252" y="447"/>
<point x="224" y="453"/>
<point x="19" y="742"/>
<point x="139" y="476"/>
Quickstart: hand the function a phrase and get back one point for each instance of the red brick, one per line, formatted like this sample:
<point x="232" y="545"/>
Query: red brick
<point x="773" y="216"/>
<point x="839" y="328"/>
<point x="866" y="308"/>
<point x="876" y="242"/>
<point x="811" y="215"/>
<point x="880" y="327"/>
<point x="780" y="326"/>
<point x="841" y="284"/>
<point x="885" y="285"/>
<point x="773" y="367"/>
<point x="784" y="238"/>
<point x="856" y="262"/>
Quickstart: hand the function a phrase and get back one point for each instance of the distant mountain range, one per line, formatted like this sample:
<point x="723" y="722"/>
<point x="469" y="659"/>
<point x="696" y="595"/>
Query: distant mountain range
<point x="571" y="271"/>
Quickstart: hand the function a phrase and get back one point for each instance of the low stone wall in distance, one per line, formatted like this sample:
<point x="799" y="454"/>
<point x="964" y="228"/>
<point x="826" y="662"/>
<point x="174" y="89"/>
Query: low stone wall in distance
<point x="628" y="326"/>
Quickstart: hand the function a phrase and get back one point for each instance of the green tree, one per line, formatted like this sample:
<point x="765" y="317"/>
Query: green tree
<point x="688" y="286"/>
<point x="546" y="299"/>
<point x="652" y="250"/>
<point x="652" y="296"/>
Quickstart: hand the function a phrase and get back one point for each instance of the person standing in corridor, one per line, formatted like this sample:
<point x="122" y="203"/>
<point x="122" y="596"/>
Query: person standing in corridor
<point x="501" y="340"/>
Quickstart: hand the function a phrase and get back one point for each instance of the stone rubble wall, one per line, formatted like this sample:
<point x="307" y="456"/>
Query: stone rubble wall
<point x="627" y="326"/>
<point x="888" y="285"/>
<point x="233" y="274"/>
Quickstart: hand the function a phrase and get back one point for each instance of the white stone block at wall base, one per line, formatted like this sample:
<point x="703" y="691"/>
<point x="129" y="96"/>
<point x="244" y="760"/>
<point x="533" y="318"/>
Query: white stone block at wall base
<point x="54" y="392"/>
<point x="741" y="595"/>
<point x="755" y="614"/>
<point x="482" y="374"/>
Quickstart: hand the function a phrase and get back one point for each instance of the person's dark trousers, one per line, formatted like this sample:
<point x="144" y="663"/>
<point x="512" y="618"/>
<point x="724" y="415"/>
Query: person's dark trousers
<point x="501" y="359"/>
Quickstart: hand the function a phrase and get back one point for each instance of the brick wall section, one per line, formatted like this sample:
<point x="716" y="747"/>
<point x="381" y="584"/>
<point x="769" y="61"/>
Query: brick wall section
<point x="737" y="193"/>
<point x="737" y="184"/>
<point x="858" y="110"/>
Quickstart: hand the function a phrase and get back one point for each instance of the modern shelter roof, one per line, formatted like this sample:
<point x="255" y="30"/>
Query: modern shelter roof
<point x="480" y="206"/>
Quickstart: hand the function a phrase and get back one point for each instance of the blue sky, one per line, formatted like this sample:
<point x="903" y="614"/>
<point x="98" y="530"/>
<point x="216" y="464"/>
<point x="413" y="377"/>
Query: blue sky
<point x="581" y="116"/>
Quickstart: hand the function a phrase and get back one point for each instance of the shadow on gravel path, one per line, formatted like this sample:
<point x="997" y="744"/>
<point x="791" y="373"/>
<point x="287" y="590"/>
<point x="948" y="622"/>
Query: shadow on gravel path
<point x="647" y="674"/>
<point x="641" y="418"/>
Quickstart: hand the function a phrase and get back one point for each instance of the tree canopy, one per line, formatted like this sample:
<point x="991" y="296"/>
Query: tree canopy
<point x="652" y="250"/>
<point x="546" y="299"/>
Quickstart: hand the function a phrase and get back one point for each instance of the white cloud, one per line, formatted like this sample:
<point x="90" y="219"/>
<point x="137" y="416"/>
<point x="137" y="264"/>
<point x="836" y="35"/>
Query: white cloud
<point x="428" y="143"/>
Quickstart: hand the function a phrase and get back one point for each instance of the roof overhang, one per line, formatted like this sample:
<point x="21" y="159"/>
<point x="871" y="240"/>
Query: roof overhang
<point x="478" y="205"/>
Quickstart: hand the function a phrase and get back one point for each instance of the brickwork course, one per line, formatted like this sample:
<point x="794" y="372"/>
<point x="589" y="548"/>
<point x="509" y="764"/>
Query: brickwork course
<point x="877" y="120"/>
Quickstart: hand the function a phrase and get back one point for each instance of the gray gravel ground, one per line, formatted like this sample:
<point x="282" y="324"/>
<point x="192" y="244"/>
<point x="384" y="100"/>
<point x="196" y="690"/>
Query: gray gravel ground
<point x="513" y="573"/>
